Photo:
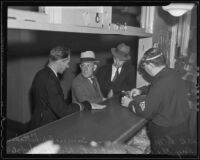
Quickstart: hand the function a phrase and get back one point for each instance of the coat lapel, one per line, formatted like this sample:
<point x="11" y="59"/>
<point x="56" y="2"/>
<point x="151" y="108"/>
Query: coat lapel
<point x="53" y="76"/>
<point x="90" y="87"/>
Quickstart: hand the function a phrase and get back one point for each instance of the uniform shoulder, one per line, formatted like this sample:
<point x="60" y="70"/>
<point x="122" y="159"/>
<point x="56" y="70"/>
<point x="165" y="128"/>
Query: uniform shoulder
<point x="172" y="74"/>
<point x="171" y="78"/>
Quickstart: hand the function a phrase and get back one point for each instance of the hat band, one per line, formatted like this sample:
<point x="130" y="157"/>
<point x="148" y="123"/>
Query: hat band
<point x="87" y="59"/>
<point x="154" y="57"/>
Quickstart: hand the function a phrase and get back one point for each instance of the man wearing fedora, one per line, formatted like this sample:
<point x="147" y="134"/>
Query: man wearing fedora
<point x="119" y="76"/>
<point x="47" y="94"/>
<point x="85" y="86"/>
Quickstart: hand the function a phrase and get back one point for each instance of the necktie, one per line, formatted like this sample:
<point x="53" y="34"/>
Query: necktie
<point x="95" y="85"/>
<point x="116" y="75"/>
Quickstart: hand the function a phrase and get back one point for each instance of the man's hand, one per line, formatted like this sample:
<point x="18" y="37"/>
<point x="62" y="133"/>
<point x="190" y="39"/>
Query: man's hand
<point x="110" y="94"/>
<point x="126" y="93"/>
<point x="97" y="106"/>
<point x="125" y="101"/>
<point x="134" y="92"/>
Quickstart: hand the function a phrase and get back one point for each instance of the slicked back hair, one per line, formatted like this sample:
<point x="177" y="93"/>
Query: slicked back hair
<point x="59" y="52"/>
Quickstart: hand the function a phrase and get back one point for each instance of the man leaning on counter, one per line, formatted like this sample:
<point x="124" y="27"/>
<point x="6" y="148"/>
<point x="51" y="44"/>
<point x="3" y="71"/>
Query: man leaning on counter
<point x="48" y="98"/>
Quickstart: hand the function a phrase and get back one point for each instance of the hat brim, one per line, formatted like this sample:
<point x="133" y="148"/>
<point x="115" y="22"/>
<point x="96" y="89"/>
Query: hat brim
<point x="118" y="55"/>
<point x="89" y="60"/>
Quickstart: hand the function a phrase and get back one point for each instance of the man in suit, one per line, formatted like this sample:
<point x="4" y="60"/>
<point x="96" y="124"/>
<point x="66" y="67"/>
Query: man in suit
<point x="85" y="86"/>
<point x="48" y="97"/>
<point x="119" y="76"/>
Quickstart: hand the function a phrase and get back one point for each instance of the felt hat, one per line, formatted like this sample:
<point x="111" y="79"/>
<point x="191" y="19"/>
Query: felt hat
<point x="122" y="52"/>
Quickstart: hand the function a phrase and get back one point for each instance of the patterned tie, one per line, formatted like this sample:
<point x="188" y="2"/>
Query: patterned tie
<point x="116" y="75"/>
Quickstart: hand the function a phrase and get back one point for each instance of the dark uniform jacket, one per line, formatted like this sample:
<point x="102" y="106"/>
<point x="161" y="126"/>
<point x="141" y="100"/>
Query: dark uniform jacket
<point x="166" y="103"/>
<point x="125" y="81"/>
<point x="167" y="109"/>
<point x="48" y="99"/>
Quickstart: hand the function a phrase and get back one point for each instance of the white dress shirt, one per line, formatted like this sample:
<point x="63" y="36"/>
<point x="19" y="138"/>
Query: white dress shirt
<point x="114" y="69"/>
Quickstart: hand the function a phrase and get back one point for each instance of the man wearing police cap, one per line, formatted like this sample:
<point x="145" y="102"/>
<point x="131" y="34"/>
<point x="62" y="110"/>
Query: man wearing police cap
<point x="165" y="107"/>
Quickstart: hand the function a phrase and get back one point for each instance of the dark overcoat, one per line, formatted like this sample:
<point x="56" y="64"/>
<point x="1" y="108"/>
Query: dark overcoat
<point x="125" y="81"/>
<point x="48" y="99"/>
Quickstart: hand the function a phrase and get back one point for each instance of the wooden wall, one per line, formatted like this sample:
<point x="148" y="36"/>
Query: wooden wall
<point x="163" y="23"/>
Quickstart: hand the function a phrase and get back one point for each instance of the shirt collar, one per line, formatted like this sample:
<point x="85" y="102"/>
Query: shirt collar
<point x="91" y="79"/>
<point x="114" y="68"/>
<point x="53" y="71"/>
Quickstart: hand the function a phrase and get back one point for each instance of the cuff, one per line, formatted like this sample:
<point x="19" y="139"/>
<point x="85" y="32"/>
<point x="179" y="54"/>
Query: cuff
<point x="86" y="105"/>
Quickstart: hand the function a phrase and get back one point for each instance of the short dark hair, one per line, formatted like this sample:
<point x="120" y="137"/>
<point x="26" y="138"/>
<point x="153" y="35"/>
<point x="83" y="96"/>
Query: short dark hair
<point x="59" y="52"/>
<point x="155" y="56"/>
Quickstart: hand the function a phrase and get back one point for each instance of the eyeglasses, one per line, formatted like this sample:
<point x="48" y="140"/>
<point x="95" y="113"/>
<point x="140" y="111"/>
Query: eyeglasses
<point x="88" y="65"/>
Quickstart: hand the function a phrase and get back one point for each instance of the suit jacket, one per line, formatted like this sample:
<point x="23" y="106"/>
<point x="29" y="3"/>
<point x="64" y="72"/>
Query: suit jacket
<point x="125" y="81"/>
<point x="48" y="99"/>
<point x="83" y="90"/>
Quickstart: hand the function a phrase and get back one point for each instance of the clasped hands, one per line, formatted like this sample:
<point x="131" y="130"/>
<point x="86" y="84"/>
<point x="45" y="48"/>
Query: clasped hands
<point x="125" y="100"/>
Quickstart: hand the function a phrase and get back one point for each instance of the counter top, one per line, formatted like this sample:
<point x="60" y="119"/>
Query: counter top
<point x="114" y="124"/>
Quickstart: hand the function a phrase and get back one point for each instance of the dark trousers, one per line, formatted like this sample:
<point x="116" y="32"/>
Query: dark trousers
<point x="173" y="140"/>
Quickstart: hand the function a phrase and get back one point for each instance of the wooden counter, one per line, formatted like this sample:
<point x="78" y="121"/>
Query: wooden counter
<point x="115" y="124"/>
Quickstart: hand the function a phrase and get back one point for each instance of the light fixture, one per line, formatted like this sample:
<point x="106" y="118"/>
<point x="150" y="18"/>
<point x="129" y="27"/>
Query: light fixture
<point x="178" y="9"/>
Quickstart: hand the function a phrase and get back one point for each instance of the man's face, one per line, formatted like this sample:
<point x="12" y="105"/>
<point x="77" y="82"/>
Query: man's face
<point x="63" y="64"/>
<point x="117" y="62"/>
<point x="148" y="68"/>
<point x="87" y="69"/>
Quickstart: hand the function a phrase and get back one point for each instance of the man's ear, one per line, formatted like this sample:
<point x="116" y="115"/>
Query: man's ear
<point x="95" y="67"/>
<point x="152" y="65"/>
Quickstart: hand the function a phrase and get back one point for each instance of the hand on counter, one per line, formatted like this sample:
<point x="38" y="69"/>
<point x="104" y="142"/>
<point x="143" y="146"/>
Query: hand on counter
<point x="110" y="94"/>
<point x="125" y="101"/>
<point x="97" y="106"/>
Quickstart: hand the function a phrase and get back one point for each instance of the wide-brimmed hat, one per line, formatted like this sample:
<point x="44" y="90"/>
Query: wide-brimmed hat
<point x="122" y="52"/>
<point x="88" y="56"/>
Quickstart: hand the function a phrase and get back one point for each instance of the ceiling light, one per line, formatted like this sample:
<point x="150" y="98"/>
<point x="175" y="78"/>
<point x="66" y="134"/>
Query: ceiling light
<point x="178" y="9"/>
